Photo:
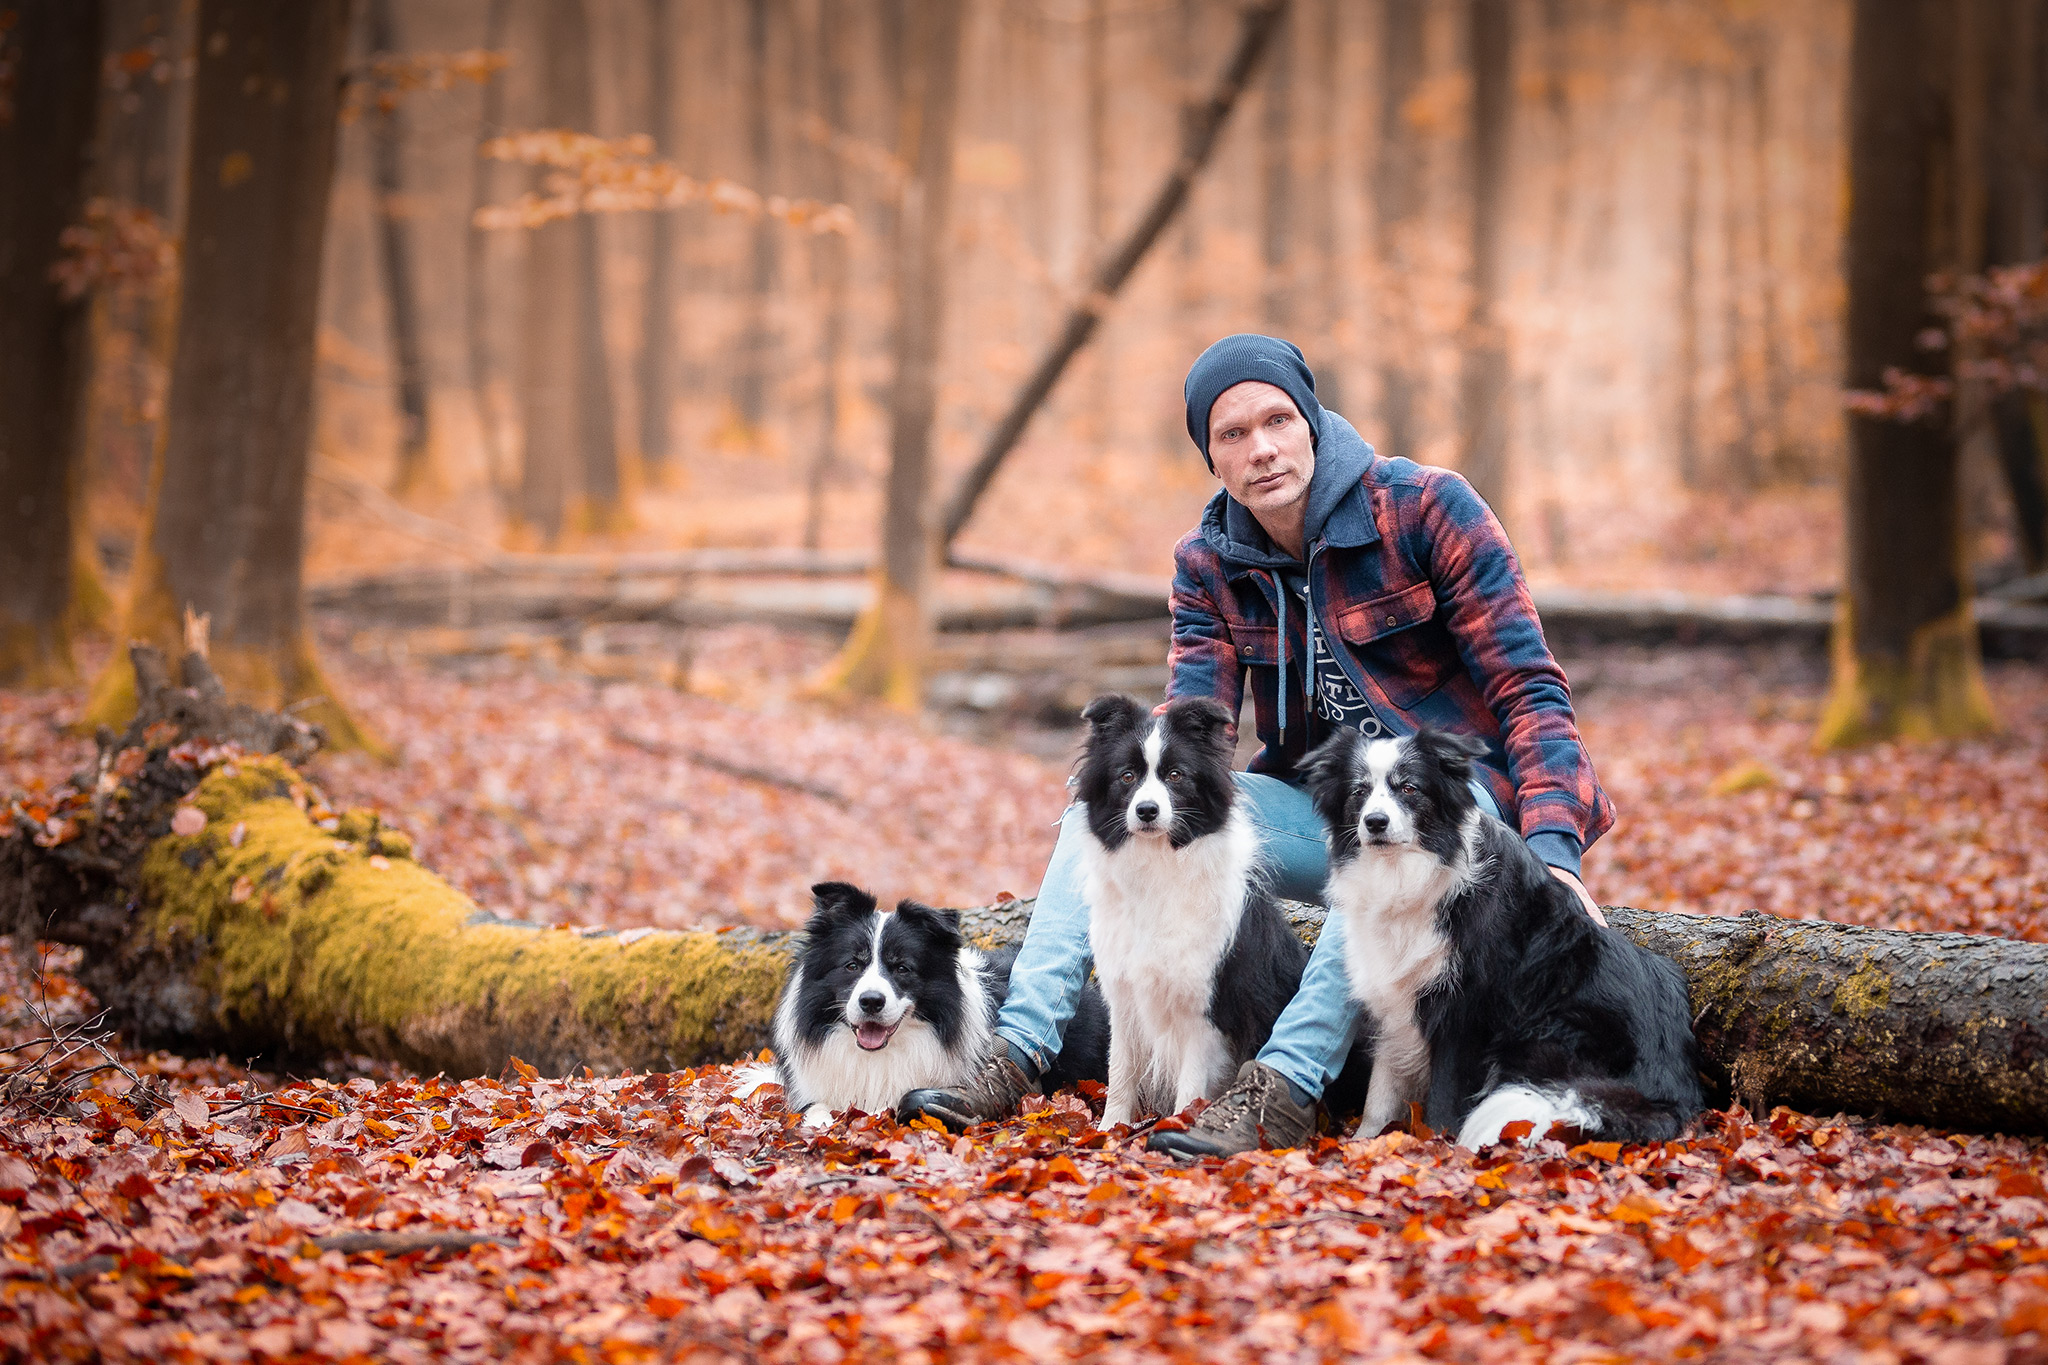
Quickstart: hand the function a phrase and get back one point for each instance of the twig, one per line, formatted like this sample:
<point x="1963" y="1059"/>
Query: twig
<point x="744" y="772"/>
<point x="952" y="1242"/>
<point x="403" y="1243"/>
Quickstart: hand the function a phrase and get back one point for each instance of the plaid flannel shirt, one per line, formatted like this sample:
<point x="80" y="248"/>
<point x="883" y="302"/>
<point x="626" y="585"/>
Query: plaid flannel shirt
<point x="1421" y="598"/>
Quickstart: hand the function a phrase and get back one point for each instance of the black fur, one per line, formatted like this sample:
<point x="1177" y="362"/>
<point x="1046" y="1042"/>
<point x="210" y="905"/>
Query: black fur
<point x="1536" y="992"/>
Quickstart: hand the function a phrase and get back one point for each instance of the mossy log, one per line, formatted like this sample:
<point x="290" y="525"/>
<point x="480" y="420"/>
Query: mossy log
<point x="277" y="929"/>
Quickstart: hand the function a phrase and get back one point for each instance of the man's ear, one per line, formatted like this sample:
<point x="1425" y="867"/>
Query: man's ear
<point x="1112" y="713"/>
<point x="833" y="901"/>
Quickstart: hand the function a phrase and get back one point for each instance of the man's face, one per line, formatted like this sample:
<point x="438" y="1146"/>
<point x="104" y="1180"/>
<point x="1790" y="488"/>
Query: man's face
<point x="1262" y="448"/>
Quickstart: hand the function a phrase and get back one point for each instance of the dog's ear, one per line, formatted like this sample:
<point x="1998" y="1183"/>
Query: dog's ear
<point x="832" y="901"/>
<point x="1334" y="760"/>
<point x="944" y="922"/>
<point x="1112" y="713"/>
<point x="1452" y="752"/>
<point x="1202" y="718"/>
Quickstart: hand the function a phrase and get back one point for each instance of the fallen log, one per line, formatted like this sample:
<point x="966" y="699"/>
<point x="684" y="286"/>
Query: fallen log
<point x="223" y="909"/>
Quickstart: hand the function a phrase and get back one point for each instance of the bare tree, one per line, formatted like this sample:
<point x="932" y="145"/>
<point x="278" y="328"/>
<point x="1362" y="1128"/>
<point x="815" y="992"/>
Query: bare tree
<point x="225" y="534"/>
<point x="885" y="655"/>
<point x="1397" y="201"/>
<point x="830" y="253"/>
<point x="658" y="327"/>
<point x="1906" y="660"/>
<point x="53" y="47"/>
<point x="565" y="380"/>
<point x="2016" y="163"/>
<point x="1276" y="184"/>
<point x="395" y="257"/>
<point x="758" y="345"/>
<point x="475" y="261"/>
<point x="1484" y="382"/>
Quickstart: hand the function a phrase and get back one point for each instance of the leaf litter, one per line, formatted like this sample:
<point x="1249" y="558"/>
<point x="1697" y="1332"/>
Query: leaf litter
<point x="382" y="1216"/>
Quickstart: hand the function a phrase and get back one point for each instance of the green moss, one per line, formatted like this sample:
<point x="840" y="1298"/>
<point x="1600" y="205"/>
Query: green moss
<point x="326" y="946"/>
<point x="1865" y="992"/>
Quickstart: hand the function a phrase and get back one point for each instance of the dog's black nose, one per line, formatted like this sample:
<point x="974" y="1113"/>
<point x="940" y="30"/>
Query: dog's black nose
<point x="1148" y="811"/>
<point x="870" y="1002"/>
<point x="1376" y="823"/>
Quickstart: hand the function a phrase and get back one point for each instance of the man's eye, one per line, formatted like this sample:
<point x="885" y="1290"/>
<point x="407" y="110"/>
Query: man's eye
<point x="1276" y="419"/>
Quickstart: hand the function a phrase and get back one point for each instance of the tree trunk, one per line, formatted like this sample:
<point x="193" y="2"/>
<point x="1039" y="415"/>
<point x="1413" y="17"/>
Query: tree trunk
<point x="571" y="441"/>
<point x="225" y="531"/>
<point x="1484" y="381"/>
<point x="884" y="656"/>
<point x="1277" y="192"/>
<point x="261" y="933"/>
<point x="831" y="253"/>
<point x="1906" y="661"/>
<point x="757" y="345"/>
<point x="46" y="146"/>
<point x="1688" y="320"/>
<point x="394" y="255"/>
<point x="1203" y="126"/>
<point x="490" y="418"/>
<point x="1397" y="200"/>
<point x="658" y="339"/>
<point x="2016" y="162"/>
<point x="1099" y="420"/>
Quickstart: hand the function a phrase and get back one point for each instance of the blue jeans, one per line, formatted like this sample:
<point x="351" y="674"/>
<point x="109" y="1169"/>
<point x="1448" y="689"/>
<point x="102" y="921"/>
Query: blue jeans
<point x="1313" y="1035"/>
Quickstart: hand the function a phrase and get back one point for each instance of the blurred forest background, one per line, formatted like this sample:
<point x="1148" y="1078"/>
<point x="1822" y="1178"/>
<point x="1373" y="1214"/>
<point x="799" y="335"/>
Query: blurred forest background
<point x="1666" y="222"/>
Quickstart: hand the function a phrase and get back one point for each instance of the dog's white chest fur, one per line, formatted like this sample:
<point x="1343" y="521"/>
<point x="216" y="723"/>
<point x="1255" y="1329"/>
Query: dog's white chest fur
<point x="1388" y="898"/>
<point x="1160" y="921"/>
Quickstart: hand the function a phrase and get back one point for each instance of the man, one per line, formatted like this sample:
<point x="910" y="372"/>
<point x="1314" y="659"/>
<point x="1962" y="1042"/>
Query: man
<point x="1352" y="589"/>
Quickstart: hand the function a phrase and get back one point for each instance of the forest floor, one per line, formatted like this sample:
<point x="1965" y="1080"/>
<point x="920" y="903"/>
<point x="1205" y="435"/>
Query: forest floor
<point x="652" y="1217"/>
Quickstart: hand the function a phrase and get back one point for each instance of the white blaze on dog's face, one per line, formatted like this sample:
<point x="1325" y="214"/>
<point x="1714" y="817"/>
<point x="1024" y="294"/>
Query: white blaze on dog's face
<point x="874" y="1007"/>
<point x="1150" y="807"/>
<point x="1384" y="818"/>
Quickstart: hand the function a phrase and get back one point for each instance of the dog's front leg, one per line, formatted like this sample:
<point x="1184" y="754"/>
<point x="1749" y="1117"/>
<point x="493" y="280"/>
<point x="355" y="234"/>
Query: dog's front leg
<point x="1126" y="1065"/>
<point x="1400" y="1074"/>
<point x="1204" y="1071"/>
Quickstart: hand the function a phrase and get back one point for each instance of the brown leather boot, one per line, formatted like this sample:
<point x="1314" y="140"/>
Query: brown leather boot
<point x="1257" y="1111"/>
<point x="994" y="1092"/>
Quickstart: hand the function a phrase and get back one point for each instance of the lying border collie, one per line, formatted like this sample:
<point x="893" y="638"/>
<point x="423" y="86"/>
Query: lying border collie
<point x="1496" y="996"/>
<point x="1195" y="958"/>
<point x="884" y="1002"/>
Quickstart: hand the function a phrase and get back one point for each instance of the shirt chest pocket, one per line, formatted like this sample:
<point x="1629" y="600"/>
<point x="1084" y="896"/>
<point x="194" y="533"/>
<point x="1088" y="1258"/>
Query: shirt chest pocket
<point x="1395" y="639"/>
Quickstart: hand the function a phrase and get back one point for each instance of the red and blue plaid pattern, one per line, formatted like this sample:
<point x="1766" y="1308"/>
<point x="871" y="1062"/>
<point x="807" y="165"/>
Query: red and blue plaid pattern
<point x="1423" y="601"/>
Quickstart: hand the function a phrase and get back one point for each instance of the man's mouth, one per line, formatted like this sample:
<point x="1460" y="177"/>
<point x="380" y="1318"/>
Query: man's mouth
<point x="1271" y="480"/>
<point x="873" y="1036"/>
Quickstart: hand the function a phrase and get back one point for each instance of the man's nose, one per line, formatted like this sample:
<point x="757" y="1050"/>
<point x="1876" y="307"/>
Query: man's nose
<point x="1376" y="823"/>
<point x="870" y="1002"/>
<point x="1147" y="812"/>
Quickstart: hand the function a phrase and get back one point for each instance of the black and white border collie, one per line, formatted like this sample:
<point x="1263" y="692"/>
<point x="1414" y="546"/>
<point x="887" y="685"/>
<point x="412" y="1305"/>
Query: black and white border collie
<point x="1496" y="997"/>
<point x="1195" y="958"/>
<point x="883" y="1002"/>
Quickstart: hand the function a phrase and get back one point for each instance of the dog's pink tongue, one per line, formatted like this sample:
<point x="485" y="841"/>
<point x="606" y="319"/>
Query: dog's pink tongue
<point x="872" y="1036"/>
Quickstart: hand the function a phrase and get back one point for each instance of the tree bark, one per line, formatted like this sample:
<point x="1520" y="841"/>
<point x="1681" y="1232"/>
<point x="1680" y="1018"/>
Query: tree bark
<point x="1484" y="381"/>
<point x="395" y="256"/>
<point x="571" y="439"/>
<point x="46" y="145"/>
<point x="1688" y="321"/>
<point x="225" y="531"/>
<point x="2016" y="164"/>
<point x="275" y="929"/>
<point x="884" y="656"/>
<point x="1906" y="661"/>
<point x="483" y="376"/>
<point x="832" y="254"/>
<point x="1277" y="192"/>
<point x="757" y="345"/>
<point x="1397" y="186"/>
<point x="1204" y="124"/>
<point x="658" y="328"/>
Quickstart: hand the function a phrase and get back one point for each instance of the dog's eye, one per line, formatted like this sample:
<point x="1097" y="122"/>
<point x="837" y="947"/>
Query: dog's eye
<point x="1173" y="774"/>
<point x="1128" y="777"/>
<point x="854" y="964"/>
<point x="1409" y="789"/>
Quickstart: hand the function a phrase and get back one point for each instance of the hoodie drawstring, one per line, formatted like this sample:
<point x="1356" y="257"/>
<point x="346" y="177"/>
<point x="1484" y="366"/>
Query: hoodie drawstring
<point x="1280" y="586"/>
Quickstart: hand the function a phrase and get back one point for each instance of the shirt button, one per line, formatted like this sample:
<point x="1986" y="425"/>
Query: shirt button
<point x="1390" y="620"/>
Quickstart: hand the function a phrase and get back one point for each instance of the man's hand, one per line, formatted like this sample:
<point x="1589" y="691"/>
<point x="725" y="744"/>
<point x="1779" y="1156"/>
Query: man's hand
<point x="1585" y="896"/>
